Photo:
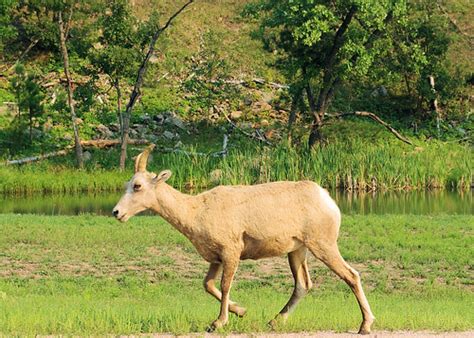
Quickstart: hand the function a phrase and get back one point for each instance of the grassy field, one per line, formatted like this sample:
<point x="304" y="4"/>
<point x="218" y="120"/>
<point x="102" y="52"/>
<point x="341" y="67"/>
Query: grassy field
<point x="351" y="164"/>
<point x="89" y="274"/>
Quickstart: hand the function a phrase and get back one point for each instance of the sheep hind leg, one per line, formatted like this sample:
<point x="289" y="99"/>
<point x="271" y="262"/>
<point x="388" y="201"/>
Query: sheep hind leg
<point x="300" y="271"/>
<point x="329" y="255"/>
<point x="210" y="287"/>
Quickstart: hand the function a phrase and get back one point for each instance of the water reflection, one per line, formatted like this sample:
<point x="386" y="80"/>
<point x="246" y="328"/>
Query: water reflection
<point x="433" y="202"/>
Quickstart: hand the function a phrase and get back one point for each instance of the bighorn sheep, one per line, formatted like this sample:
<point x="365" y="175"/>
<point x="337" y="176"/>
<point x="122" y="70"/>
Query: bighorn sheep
<point x="231" y="223"/>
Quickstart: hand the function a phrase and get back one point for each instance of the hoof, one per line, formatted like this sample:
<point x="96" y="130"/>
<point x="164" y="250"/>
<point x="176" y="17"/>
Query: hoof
<point x="272" y="324"/>
<point x="217" y="324"/>
<point x="365" y="326"/>
<point x="280" y="318"/>
<point x="363" y="331"/>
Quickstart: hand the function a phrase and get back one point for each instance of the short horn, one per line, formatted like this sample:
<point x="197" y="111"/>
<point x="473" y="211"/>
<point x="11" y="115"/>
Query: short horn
<point x="142" y="159"/>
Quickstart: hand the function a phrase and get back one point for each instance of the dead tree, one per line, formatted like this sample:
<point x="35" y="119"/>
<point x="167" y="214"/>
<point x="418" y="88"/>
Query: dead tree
<point x="63" y="33"/>
<point x="136" y="92"/>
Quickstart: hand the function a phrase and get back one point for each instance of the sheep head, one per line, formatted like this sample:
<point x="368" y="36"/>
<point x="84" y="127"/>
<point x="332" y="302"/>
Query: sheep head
<point x="140" y="191"/>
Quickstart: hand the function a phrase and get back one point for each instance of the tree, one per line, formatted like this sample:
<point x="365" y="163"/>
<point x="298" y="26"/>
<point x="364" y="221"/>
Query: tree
<point x="7" y="31"/>
<point x="326" y="44"/>
<point x="47" y="26"/>
<point x="64" y="28"/>
<point x="139" y="82"/>
<point x="119" y="50"/>
<point x="29" y="95"/>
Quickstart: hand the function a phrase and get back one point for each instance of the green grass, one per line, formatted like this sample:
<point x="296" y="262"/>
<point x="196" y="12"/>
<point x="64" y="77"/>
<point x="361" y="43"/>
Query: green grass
<point x="352" y="165"/>
<point x="91" y="275"/>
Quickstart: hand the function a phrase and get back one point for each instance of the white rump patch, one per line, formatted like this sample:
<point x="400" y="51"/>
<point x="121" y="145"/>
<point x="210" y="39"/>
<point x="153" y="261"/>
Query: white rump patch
<point x="330" y="203"/>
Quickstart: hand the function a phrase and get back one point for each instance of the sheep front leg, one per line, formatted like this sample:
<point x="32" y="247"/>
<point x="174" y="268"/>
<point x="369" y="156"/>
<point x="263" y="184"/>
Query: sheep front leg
<point x="209" y="285"/>
<point x="229" y="269"/>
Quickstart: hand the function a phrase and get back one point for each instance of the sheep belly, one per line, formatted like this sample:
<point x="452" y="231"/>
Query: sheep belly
<point x="270" y="247"/>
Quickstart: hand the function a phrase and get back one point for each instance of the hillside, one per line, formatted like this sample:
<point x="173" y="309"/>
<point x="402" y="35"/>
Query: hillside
<point x="210" y="37"/>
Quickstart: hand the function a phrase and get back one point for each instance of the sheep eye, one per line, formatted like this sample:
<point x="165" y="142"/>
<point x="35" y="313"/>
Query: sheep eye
<point x="136" y="187"/>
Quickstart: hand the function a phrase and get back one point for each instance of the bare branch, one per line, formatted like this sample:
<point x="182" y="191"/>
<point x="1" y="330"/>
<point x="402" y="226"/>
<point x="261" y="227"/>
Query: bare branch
<point x="375" y="118"/>
<point x="454" y="22"/>
<point x="136" y="92"/>
<point x="68" y="23"/>
<point x="257" y="137"/>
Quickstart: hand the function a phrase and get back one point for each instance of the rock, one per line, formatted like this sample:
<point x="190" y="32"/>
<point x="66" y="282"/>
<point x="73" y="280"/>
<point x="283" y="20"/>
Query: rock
<point x="261" y="106"/>
<point x="176" y="121"/>
<point x="168" y="135"/>
<point x="115" y="127"/>
<point x="235" y="115"/>
<point x="159" y="119"/>
<point x="48" y="125"/>
<point x="146" y="118"/>
<point x="245" y="125"/>
<point x="36" y="133"/>
<point x="87" y="156"/>
<point x="104" y="131"/>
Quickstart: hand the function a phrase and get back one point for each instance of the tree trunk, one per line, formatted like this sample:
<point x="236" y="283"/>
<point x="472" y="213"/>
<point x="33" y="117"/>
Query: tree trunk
<point x="64" y="52"/>
<point x="296" y="105"/>
<point x="119" y="103"/>
<point x="138" y="84"/>
<point x="319" y="108"/>
<point x="31" y="124"/>
<point x="434" y="104"/>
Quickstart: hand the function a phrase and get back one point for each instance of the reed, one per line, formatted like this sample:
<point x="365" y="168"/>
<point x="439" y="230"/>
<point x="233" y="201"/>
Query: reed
<point x="351" y="165"/>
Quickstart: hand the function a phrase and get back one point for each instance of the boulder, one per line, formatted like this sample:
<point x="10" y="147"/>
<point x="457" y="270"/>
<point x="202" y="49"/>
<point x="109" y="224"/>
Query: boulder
<point x="176" y="121"/>
<point x="235" y="115"/>
<point x="114" y="127"/>
<point x="87" y="156"/>
<point x="168" y="135"/>
<point x="261" y="106"/>
<point x="104" y="131"/>
<point x="159" y="119"/>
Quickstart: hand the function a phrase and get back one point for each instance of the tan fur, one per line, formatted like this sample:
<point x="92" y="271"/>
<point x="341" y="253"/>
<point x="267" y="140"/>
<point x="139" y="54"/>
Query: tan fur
<point x="230" y="223"/>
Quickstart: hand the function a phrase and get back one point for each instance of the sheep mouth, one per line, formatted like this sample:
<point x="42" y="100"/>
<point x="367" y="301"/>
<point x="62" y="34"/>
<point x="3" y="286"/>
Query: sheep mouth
<point x="123" y="218"/>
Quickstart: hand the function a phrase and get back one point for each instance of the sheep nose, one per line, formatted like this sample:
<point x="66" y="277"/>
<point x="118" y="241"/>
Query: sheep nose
<point x="115" y="212"/>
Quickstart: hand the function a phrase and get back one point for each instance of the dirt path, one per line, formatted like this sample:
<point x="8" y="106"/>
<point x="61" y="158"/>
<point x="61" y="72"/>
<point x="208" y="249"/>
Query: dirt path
<point x="378" y="334"/>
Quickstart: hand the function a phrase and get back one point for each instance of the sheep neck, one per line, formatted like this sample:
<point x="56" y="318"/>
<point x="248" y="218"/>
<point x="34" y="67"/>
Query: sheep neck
<point x="175" y="207"/>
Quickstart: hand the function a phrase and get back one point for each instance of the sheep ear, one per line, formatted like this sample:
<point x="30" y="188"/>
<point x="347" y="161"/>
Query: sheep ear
<point x="162" y="176"/>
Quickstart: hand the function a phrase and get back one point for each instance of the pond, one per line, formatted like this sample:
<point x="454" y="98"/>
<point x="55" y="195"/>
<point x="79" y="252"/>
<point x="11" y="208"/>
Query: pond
<point x="433" y="202"/>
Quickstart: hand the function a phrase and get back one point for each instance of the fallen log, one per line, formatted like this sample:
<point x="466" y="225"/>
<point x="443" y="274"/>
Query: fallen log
<point x="38" y="158"/>
<point x="111" y="143"/>
<point x="86" y="144"/>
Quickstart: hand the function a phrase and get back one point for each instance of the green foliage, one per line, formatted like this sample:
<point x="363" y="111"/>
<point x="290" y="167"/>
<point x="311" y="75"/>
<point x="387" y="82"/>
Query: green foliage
<point x="7" y="32"/>
<point x="29" y="96"/>
<point x="385" y="43"/>
<point x="119" y="51"/>
<point x="205" y="83"/>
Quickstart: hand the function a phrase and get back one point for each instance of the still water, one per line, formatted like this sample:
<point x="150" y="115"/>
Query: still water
<point x="437" y="202"/>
